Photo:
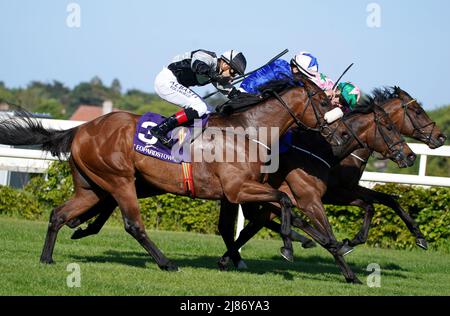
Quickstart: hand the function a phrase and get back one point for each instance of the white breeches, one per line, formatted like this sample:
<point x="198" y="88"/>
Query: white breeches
<point x="168" y="88"/>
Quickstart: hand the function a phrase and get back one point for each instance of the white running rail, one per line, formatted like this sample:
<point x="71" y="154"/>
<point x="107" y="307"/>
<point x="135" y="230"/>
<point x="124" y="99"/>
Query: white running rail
<point x="36" y="161"/>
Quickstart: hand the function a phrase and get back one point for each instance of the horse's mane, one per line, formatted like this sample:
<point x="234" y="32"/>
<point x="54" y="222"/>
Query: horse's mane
<point x="367" y="108"/>
<point x="380" y="96"/>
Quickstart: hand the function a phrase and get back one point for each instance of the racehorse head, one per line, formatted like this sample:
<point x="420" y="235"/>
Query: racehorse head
<point x="408" y="116"/>
<point x="371" y="127"/>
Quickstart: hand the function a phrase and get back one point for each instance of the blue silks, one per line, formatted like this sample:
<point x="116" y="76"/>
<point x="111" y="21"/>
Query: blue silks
<point x="277" y="70"/>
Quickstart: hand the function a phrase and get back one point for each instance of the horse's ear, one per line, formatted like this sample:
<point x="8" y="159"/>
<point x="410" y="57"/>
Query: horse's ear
<point x="398" y="90"/>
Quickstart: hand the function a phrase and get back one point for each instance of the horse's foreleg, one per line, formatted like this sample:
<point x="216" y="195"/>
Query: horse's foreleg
<point x="349" y="275"/>
<point x="127" y="200"/>
<point x="389" y="201"/>
<point x="363" y="234"/>
<point x="274" y="226"/>
<point x="359" y="195"/>
<point x="324" y="241"/>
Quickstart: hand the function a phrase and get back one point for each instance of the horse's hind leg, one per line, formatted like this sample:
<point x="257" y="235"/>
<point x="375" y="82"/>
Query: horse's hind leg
<point x="82" y="201"/>
<point x="104" y="208"/>
<point x="227" y="220"/>
<point x="128" y="203"/>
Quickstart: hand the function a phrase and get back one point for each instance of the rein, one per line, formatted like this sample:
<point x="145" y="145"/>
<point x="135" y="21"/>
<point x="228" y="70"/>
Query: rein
<point x="291" y="113"/>
<point x="385" y="137"/>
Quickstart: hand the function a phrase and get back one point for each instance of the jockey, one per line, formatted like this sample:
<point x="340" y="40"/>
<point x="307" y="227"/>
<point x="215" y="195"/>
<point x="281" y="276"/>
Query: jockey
<point x="349" y="95"/>
<point x="346" y="95"/>
<point x="276" y="70"/>
<point x="280" y="69"/>
<point x="196" y="68"/>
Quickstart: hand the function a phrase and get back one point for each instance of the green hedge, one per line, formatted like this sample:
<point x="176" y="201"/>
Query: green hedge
<point x="429" y="207"/>
<point x="19" y="204"/>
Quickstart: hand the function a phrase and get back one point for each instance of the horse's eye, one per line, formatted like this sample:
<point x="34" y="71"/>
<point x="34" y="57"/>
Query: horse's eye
<point x="418" y="111"/>
<point x="389" y="127"/>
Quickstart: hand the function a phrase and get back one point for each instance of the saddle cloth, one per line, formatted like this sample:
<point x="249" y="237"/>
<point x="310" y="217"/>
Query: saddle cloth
<point x="146" y="144"/>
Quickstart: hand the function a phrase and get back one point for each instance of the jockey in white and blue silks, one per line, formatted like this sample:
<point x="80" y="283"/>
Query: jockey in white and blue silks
<point x="277" y="70"/>
<point x="346" y="95"/>
<point x="197" y="68"/>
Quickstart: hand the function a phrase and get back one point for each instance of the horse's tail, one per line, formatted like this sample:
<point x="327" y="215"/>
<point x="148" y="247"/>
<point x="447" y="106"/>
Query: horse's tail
<point x="22" y="129"/>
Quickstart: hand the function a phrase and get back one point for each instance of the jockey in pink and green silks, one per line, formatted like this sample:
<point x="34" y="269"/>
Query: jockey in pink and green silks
<point x="345" y="95"/>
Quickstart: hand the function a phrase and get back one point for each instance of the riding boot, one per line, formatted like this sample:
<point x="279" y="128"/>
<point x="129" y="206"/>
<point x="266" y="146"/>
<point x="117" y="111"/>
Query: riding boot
<point x="161" y="130"/>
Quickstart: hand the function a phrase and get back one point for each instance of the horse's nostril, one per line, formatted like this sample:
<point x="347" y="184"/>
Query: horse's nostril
<point x="442" y="138"/>
<point x="412" y="157"/>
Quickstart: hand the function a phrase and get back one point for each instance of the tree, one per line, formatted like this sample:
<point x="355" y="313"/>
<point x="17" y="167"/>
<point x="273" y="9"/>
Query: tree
<point x="116" y="87"/>
<point x="86" y="93"/>
<point x="96" y="81"/>
<point x="52" y="107"/>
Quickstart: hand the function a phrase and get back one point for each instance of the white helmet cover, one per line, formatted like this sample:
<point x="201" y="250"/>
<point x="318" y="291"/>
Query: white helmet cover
<point x="306" y="63"/>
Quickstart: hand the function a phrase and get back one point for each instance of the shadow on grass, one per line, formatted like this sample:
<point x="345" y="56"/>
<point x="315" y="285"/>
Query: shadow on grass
<point x="312" y="266"/>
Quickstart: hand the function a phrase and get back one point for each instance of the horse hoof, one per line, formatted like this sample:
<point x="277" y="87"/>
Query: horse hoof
<point x="79" y="233"/>
<point x="354" y="281"/>
<point x="48" y="261"/>
<point x="422" y="243"/>
<point x="223" y="263"/>
<point x="287" y="254"/>
<point x="309" y="244"/>
<point x="242" y="265"/>
<point x="345" y="249"/>
<point x="171" y="267"/>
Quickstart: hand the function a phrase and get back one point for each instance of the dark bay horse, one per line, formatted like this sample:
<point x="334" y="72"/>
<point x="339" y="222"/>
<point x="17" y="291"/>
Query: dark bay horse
<point x="305" y="180"/>
<point x="411" y="120"/>
<point x="105" y="166"/>
<point x="343" y="187"/>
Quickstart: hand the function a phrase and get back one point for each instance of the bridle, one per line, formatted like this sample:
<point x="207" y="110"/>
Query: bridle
<point x="387" y="140"/>
<point x="420" y="130"/>
<point x="378" y="127"/>
<point x="323" y="128"/>
<point x="328" y="133"/>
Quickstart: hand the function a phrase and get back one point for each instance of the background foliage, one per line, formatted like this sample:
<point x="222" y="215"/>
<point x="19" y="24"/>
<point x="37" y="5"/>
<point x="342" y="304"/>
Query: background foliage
<point x="60" y="102"/>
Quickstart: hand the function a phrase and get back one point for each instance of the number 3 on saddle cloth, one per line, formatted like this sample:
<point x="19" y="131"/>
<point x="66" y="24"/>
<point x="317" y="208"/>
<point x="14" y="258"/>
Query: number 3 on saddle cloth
<point x="144" y="143"/>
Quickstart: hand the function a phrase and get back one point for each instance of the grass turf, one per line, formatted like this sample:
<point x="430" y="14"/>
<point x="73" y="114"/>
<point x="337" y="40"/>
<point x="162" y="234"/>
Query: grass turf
<point x="113" y="263"/>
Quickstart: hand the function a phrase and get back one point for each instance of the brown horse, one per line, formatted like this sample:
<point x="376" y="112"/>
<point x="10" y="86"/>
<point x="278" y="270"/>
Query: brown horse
<point x="104" y="164"/>
<point x="408" y="116"/>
